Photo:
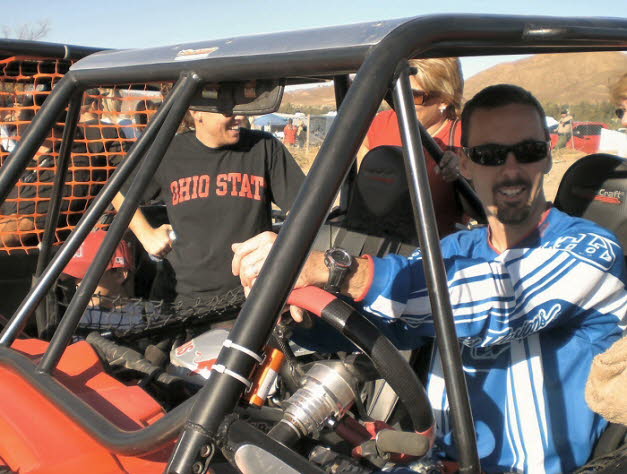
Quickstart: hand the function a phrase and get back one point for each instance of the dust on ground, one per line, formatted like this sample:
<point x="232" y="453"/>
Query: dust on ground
<point x="562" y="160"/>
<point x="304" y="156"/>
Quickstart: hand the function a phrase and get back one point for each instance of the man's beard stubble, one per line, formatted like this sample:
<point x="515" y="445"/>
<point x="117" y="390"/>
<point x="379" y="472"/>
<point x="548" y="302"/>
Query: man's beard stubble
<point x="513" y="213"/>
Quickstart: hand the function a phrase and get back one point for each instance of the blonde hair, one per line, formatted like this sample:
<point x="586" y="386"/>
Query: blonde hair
<point x="618" y="90"/>
<point x="444" y="76"/>
<point x="111" y="103"/>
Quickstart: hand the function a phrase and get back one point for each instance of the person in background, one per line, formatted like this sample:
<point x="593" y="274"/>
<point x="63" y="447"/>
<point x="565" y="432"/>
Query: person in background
<point x="24" y="212"/>
<point x="101" y="133"/>
<point x="301" y="134"/>
<point x="564" y="129"/>
<point x="117" y="272"/>
<point x="289" y="133"/>
<point x="110" y="305"/>
<point x="618" y="92"/>
<point x="144" y="110"/>
<point x="438" y="89"/>
<point x="218" y="182"/>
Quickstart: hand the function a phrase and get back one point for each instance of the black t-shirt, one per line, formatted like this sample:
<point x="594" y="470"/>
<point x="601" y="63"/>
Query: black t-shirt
<point x="106" y="140"/>
<point x="217" y="196"/>
<point x="102" y="137"/>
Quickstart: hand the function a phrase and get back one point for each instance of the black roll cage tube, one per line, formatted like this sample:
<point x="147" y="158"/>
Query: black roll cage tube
<point x="43" y="49"/>
<point x="185" y="88"/>
<point x="435" y="273"/>
<point x="89" y="219"/>
<point x="439" y="35"/>
<point x="55" y="205"/>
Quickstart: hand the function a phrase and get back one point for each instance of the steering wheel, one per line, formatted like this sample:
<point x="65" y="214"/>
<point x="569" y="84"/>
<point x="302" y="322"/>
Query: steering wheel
<point x="387" y="360"/>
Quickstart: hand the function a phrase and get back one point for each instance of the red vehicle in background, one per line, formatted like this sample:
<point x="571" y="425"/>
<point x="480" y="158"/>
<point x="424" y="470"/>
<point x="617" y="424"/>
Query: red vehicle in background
<point x="586" y="136"/>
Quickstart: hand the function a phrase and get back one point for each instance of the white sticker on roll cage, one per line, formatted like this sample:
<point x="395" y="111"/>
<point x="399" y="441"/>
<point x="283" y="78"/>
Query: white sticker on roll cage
<point x="194" y="54"/>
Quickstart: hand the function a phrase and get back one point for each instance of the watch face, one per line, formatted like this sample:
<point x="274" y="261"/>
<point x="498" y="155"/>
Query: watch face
<point x="340" y="257"/>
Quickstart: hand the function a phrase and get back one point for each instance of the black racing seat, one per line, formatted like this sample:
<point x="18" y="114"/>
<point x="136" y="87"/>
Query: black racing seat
<point x="595" y="188"/>
<point x="380" y="218"/>
<point x="379" y="221"/>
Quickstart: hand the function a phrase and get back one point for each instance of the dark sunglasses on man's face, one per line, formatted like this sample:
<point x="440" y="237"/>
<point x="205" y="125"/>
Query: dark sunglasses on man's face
<point x="493" y="154"/>
<point x="620" y="113"/>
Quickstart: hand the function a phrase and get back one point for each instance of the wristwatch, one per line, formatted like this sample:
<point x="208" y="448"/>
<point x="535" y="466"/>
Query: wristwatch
<point x="339" y="262"/>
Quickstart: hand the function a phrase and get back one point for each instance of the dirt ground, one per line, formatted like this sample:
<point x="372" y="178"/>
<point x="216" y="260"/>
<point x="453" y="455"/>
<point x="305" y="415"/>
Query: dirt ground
<point x="305" y="156"/>
<point x="561" y="162"/>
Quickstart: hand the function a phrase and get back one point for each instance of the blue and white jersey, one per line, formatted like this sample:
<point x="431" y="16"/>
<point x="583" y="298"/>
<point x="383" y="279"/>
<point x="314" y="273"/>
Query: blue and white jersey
<point x="530" y="319"/>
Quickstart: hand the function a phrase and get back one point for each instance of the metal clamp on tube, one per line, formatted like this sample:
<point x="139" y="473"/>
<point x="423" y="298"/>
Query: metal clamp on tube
<point x="446" y="337"/>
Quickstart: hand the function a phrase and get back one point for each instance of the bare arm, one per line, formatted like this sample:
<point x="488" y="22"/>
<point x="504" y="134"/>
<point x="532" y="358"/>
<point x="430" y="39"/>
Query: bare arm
<point x="448" y="167"/>
<point x="13" y="228"/>
<point x="249" y="257"/>
<point x="157" y="241"/>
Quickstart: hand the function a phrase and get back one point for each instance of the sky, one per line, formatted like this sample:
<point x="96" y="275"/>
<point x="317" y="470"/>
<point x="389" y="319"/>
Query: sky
<point x="136" y="24"/>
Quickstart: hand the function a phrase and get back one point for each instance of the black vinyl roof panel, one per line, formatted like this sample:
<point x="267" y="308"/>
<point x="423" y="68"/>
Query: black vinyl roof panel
<point x="325" y="52"/>
<point x="350" y="36"/>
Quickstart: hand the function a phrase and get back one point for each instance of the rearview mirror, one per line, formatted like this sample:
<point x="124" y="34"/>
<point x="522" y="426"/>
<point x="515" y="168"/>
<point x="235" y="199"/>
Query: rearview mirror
<point x="258" y="97"/>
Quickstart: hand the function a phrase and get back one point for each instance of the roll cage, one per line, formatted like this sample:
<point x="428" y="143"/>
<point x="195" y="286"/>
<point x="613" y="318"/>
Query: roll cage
<point x="377" y="52"/>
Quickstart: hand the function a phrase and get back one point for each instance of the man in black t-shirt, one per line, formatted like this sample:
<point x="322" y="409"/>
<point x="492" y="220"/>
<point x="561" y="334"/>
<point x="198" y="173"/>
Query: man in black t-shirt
<point x="218" y="183"/>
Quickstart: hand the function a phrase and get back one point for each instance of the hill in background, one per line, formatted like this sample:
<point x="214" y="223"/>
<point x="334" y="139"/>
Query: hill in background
<point x="558" y="78"/>
<point x="319" y="96"/>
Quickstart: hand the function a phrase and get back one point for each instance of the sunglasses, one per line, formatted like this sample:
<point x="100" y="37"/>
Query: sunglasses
<point x="421" y="97"/>
<point x="620" y="113"/>
<point x="492" y="154"/>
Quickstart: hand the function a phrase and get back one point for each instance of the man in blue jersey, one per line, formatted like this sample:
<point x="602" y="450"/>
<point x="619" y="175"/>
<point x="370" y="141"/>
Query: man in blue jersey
<point x="535" y="296"/>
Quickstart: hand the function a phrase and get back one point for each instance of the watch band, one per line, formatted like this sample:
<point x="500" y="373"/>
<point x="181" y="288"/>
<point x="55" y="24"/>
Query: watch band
<point x="339" y="262"/>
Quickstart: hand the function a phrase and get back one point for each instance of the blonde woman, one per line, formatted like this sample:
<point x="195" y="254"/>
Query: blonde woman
<point x="111" y="103"/>
<point x="438" y="89"/>
<point x="618" y="92"/>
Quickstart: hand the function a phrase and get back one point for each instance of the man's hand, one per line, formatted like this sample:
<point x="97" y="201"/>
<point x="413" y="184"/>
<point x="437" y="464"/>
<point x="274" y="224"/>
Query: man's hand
<point x="249" y="257"/>
<point x="157" y="242"/>
<point x="448" y="167"/>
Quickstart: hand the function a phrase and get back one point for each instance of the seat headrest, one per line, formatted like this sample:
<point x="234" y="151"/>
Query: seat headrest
<point x="380" y="204"/>
<point x="381" y="179"/>
<point x="595" y="188"/>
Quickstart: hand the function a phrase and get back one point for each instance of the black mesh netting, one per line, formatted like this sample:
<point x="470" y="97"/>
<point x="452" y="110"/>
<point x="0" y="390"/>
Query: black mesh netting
<point x="129" y="317"/>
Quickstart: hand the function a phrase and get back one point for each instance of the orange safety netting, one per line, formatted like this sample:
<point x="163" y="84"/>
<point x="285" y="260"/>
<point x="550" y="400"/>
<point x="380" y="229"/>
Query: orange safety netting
<point x="110" y="122"/>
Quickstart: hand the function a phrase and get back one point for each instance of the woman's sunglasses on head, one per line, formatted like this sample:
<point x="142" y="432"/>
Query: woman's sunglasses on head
<point x="494" y="154"/>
